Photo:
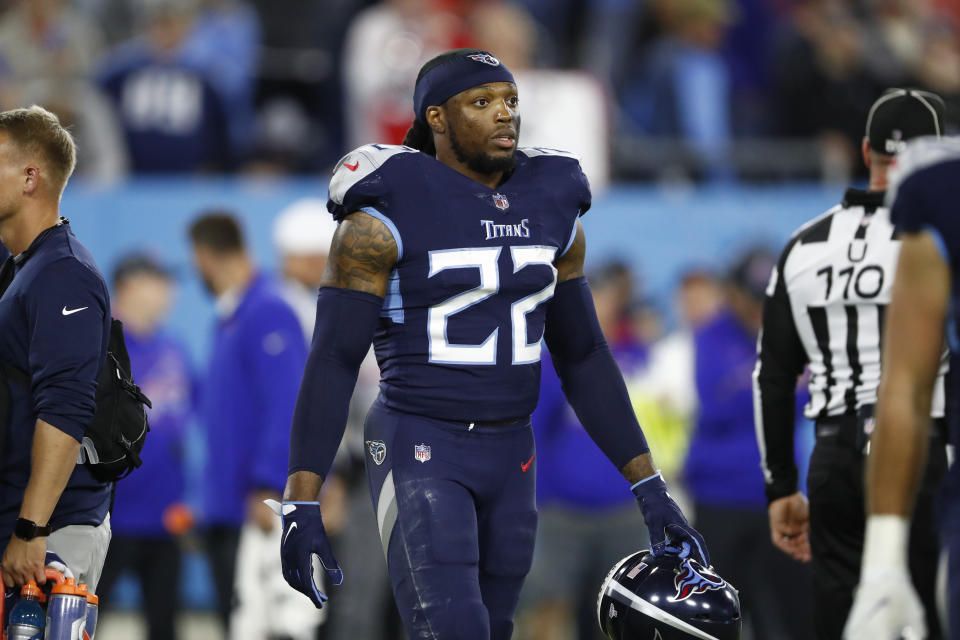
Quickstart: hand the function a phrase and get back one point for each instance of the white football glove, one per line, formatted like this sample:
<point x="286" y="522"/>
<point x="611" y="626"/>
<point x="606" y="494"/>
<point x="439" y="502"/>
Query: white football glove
<point x="886" y="607"/>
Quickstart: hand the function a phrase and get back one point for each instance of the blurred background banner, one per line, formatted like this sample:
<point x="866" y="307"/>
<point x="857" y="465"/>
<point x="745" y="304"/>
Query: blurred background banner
<point x="659" y="232"/>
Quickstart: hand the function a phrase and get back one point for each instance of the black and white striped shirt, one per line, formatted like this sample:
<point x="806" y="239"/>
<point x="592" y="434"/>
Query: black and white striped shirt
<point x="825" y="310"/>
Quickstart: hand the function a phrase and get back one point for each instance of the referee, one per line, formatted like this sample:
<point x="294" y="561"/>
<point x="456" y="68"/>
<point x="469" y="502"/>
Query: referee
<point x="824" y="308"/>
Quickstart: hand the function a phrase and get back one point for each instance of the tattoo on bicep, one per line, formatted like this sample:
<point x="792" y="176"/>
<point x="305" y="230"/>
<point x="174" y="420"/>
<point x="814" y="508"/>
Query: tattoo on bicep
<point x="362" y="255"/>
<point x="570" y="264"/>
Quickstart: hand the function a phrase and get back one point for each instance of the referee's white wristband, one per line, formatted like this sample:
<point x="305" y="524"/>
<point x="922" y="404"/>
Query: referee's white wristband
<point x="885" y="542"/>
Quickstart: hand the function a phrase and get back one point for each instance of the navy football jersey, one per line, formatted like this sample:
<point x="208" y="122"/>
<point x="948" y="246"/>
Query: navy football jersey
<point x="925" y="195"/>
<point x="462" y="323"/>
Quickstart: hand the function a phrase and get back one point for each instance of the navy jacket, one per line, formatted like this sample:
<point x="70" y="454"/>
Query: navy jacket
<point x="54" y="324"/>
<point x="247" y="401"/>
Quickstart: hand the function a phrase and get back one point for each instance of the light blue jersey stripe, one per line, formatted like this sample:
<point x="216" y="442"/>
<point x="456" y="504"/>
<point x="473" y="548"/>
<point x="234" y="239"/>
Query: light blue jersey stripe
<point x="392" y="227"/>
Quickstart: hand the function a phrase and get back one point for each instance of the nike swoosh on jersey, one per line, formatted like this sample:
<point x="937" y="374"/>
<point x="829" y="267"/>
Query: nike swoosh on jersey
<point x="529" y="462"/>
<point x="293" y="525"/>
<point x="68" y="312"/>
<point x="352" y="167"/>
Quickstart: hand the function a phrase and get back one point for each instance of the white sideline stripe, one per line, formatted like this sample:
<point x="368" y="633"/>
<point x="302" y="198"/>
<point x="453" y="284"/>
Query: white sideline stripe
<point x="641" y="605"/>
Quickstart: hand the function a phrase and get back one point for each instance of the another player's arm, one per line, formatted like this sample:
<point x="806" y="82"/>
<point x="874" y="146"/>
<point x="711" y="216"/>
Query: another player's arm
<point x="886" y="604"/>
<point x="912" y="348"/>
<point x="362" y="255"/>
<point x="570" y="268"/>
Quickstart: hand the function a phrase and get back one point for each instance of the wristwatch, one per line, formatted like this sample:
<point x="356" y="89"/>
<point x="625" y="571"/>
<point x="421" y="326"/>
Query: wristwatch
<point x="28" y="529"/>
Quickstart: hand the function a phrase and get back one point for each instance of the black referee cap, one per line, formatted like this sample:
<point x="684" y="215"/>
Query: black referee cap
<point x="901" y="114"/>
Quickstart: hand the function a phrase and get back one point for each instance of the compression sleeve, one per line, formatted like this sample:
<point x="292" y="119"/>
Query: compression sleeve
<point x="346" y="321"/>
<point x="590" y="377"/>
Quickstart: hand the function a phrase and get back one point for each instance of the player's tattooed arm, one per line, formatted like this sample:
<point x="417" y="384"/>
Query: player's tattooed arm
<point x="570" y="264"/>
<point x="362" y="255"/>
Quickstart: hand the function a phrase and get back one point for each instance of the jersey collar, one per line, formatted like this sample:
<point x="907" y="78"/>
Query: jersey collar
<point x="20" y="258"/>
<point x="869" y="200"/>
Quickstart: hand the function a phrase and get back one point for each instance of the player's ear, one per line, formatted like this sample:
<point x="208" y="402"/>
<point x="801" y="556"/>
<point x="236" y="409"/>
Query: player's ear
<point x="31" y="178"/>
<point x="436" y="119"/>
<point x="865" y="151"/>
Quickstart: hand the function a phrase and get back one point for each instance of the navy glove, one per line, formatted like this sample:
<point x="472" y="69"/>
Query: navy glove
<point x="669" y="530"/>
<point x="303" y="538"/>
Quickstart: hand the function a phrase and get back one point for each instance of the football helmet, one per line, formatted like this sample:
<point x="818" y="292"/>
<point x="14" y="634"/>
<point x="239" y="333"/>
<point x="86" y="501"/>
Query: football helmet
<point x="647" y="597"/>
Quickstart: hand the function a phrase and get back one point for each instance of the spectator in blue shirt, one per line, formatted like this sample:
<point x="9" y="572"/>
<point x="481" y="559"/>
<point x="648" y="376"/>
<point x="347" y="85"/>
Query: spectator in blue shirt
<point x="722" y="470"/>
<point x="172" y="117"/>
<point x="54" y="326"/>
<point x="683" y="89"/>
<point x="148" y="507"/>
<point x="225" y="41"/>
<point x="248" y="393"/>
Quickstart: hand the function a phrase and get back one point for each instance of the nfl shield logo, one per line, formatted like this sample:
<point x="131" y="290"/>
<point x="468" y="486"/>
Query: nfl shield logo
<point x="500" y="201"/>
<point x="421" y="452"/>
<point x="377" y="450"/>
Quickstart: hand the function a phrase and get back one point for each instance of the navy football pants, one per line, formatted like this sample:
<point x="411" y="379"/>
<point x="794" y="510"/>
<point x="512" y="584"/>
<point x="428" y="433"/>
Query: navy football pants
<point x="457" y="515"/>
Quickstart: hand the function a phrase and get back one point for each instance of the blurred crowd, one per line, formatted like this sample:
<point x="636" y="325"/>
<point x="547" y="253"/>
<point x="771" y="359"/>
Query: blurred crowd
<point x="713" y="90"/>
<point x="709" y="89"/>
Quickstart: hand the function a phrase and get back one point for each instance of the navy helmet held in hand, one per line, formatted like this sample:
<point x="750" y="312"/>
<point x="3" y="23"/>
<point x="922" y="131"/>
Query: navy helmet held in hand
<point x="666" y="597"/>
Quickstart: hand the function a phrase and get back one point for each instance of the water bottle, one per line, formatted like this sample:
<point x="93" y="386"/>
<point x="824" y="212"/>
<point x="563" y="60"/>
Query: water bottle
<point x="66" y="612"/>
<point x="93" y="605"/>
<point x="26" y="618"/>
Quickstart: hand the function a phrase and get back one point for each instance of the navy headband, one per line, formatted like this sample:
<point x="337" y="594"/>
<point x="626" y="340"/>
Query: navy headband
<point x="457" y="74"/>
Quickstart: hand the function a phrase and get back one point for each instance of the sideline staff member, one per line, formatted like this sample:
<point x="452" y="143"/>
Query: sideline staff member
<point x="825" y="307"/>
<point x="54" y="324"/>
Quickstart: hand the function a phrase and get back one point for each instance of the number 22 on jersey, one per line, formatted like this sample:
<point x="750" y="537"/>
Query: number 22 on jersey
<point x="442" y="351"/>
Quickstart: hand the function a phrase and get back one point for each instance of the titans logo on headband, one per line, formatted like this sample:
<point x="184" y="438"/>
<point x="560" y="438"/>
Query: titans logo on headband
<point x="485" y="58"/>
<point x="690" y="581"/>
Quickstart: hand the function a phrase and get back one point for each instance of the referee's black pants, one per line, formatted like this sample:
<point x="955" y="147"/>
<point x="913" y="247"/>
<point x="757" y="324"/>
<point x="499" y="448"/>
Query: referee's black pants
<point x="835" y="487"/>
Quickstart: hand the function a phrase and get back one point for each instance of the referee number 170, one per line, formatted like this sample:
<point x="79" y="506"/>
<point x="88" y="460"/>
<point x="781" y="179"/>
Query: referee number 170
<point x="867" y="280"/>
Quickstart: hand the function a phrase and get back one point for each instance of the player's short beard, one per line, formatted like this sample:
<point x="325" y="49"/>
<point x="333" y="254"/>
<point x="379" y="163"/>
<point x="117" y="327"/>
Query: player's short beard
<point x="483" y="163"/>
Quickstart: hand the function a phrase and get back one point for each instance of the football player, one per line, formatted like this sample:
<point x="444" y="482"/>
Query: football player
<point x="923" y="310"/>
<point x="456" y="254"/>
